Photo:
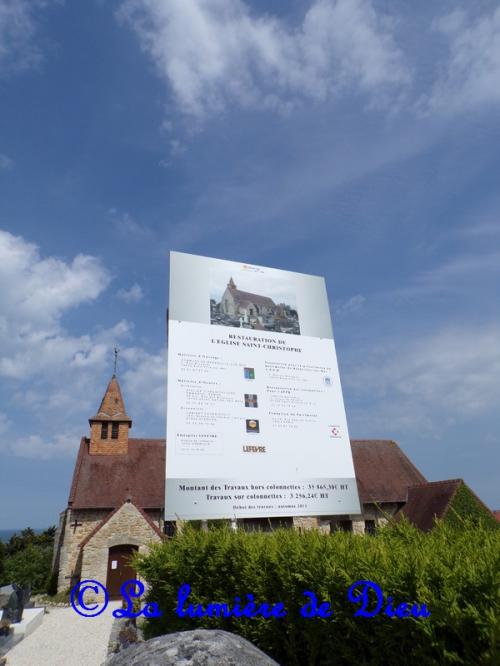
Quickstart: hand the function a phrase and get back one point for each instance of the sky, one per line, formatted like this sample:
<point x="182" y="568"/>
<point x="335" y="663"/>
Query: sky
<point x="354" y="139"/>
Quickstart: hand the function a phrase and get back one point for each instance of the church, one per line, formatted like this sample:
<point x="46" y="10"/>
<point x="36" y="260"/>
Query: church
<point x="237" y="302"/>
<point x="117" y="497"/>
<point x="249" y="310"/>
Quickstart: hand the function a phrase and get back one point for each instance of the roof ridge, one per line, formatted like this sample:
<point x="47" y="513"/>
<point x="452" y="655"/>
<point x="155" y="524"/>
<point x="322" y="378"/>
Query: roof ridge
<point x="389" y="441"/>
<point x="435" y="483"/>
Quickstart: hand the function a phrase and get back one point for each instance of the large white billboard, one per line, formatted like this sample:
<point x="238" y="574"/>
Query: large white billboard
<point x="256" y="423"/>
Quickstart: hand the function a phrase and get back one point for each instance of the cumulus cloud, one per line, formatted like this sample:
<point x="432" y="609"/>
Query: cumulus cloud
<point x="35" y="293"/>
<point x="51" y="377"/>
<point x="132" y="295"/>
<point x="471" y="74"/>
<point x="213" y="53"/>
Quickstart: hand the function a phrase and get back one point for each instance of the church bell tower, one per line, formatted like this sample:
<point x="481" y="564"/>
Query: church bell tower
<point x="109" y="427"/>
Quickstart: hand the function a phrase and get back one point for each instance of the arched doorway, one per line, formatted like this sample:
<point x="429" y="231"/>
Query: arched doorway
<point x="119" y="568"/>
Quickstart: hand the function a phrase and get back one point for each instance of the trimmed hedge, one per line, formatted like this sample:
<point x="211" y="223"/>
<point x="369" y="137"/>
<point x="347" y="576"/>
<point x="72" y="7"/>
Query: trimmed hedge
<point x="456" y="573"/>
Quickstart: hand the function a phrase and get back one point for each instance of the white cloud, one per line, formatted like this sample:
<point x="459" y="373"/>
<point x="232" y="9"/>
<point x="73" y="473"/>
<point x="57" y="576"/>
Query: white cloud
<point x="37" y="291"/>
<point x="50" y="379"/>
<point x="462" y="274"/>
<point x="471" y="75"/>
<point x="35" y="294"/>
<point x="36" y="447"/>
<point x="132" y="295"/>
<point x="6" y="162"/>
<point x="17" y="32"/>
<point x="351" y="306"/>
<point x="145" y="381"/>
<point x="177" y="148"/>
<point x="127" y="226"/>
<point x="213" y="53"/>
<point x="427" y="383"/>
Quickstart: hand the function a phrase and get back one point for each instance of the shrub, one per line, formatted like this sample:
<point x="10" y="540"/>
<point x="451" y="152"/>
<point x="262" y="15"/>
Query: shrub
<point x="30" y="566"/>
<point x="27" y="559"/>
<point x="454" y="572"/>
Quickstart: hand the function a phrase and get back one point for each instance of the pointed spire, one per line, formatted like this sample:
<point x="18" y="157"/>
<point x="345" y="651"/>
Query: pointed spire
<point x="112" y="406"/>
<point x="231" y="284"/>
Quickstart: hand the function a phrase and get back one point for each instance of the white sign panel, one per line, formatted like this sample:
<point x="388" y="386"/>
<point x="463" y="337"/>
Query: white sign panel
<point x="256" y="425"/>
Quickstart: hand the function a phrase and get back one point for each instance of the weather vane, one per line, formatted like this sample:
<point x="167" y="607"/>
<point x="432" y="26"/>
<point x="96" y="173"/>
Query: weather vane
<point x="117" y="351"/>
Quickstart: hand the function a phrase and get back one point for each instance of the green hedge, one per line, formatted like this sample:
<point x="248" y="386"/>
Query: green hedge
<point x="455" y="572"/>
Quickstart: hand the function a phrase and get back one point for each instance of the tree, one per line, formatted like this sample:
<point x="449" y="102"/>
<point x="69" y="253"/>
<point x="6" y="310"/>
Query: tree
<point x="26" y="559"/>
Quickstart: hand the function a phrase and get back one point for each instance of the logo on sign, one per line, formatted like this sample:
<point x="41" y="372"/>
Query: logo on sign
<point x="335" y="431"/>
<point x="253" y="449"/>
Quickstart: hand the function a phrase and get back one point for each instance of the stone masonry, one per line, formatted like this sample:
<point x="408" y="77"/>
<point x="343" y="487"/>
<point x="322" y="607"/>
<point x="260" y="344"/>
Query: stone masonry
<point x="126" y="526"/>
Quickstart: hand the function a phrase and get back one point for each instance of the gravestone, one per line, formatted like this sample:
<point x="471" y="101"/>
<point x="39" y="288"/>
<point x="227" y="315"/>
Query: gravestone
<point x="13" y="600"/>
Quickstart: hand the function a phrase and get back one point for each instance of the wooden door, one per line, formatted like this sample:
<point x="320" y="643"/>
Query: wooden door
<point x="119" y="569"/>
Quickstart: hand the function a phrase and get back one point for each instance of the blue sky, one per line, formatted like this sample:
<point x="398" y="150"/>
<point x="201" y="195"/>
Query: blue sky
<point x="353" y="139"/>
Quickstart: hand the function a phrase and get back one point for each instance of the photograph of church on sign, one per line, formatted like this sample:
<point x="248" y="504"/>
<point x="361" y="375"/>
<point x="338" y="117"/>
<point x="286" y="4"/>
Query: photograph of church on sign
<point x="247" y="310"/>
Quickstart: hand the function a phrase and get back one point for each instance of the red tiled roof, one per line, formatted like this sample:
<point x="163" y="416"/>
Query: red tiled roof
<point x="428" y="501"/>
<point x="246" y="298"/>
<point x="496" y="513"/>
<point x="106" y="481"/>
<point x="383" y="471"/>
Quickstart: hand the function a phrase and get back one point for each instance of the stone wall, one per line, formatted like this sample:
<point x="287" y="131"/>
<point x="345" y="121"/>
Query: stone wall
<point x="126" y="526"/>
<point x="379" y="513"/>
<point x="71" y="540"/>
<point x="58" y="537"/>
<point x="305" y="522"/>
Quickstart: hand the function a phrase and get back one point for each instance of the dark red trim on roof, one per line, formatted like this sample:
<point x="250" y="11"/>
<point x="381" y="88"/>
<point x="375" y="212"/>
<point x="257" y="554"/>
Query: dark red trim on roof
<point x="111" y="514"/>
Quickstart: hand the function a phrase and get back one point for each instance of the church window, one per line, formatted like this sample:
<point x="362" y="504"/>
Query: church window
<point x="114" y="431"/>
<point x="104" y="431"/>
